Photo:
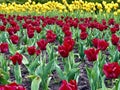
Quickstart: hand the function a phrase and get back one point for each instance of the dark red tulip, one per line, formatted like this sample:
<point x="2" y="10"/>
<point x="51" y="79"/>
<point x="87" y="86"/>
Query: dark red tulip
<point x="91" y="54"/>
<point x="31" y="50"/>
<point x="14" y="39"/>
<point x="17" y="58"/>
<point x="111" y="21"/>
<point x="111" y="70"/>
<point x="100" y="44"/>
<point x="63" y="51"/>
<point x="104" y="22"/>
<point x="66" y="27"/>
<point x="83" y="35"/>
<point x="2" y="28"/>
<point x="101" y="27"/>
<point x="12" y="86"/>
<point x="68" y="33"/>
<point x="72" y="85"/>
<point x="38" y="29"/>
<point x="113" y="29"/>
<point x="73" y="82"/>
<point x="82" y="27"/>
<point x="114" y="39"/>
<point x="38" y="52"/>
<point x="69" y="43"/>
<point x="50" y="36"/>
<point x="42" y="44"/>
<point x="4" y="47"/>
<point x="10" y="30"/>
<point x="30" y="33"/>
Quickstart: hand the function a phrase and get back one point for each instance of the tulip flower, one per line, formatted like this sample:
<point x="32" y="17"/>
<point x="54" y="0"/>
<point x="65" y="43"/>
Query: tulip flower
<point x="83" y="35"/>
<point x="114" y="39"/>
<point x="17" y="58"/>
<point x="42" y="44"/>
<point x="4" y="47"/>
<point x="14" y="39"/>
<point x="69" y="43"/>
<point x="72" y="85"/>
<point x="91" y="54"/>
<point x="111" y="70"/>
<point x="31" y="50"/>
<point x="51" y="37"/>
<point x="12" y="86"/>
<point x="100" y="44"/>
<point x="63" y="51"/>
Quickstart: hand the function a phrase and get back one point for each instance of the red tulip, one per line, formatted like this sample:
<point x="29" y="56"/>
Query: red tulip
<point x="101" y="27"/>
<point x="100" y="44"/>
<point x="66" y="27"/>
<point x="82" y="27"/>
<point x="63" y="51"/>
<point x="91" y="54"/>
<point x="68" y="33"/>
<point x="69" y="43"/>
<point x="111" y="21"/>
<point x="112" y="70"/>
<point x="42" y="44"/>
<point x="38" y="52"/>
<point x="103" y="21"/>
<point x="114" y="39"/>
<point x="50" y="36"/>
<point x="11" y="30"/>
<point x="83" y="35"/>
<point x="31" y="50"/>
<point x="68" y="85"/>
<point x="113" y="30"/>
<point x="38" y="29"/>
<point x="30" y="33"/>
<point x="4" y="47"/>
<point x="2" y="28"/>
<point x="17" y="58"/>
<point x="14" y="39"/>
<point x="12" y="86"/>
<point x="73" y="82"/>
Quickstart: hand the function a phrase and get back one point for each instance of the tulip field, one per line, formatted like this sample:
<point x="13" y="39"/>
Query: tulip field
<point x="63" y="49"/>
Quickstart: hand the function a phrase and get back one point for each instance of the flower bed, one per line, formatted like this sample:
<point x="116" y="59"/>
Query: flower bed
<point x="53" y="51"/>
<point x="81" y="6"/>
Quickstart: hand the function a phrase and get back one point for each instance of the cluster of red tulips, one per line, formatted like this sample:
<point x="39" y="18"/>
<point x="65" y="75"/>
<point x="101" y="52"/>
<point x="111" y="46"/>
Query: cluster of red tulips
<point x="36" y="32"/>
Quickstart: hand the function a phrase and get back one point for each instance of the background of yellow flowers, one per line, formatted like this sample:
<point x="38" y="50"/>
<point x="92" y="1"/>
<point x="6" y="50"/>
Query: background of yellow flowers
<point x="77" y="5"/>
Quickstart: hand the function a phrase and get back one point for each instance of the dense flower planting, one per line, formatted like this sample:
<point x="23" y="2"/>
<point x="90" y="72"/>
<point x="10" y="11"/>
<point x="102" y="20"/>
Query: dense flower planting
<point x="61" y="7"/>
<point x="40" y="43"/>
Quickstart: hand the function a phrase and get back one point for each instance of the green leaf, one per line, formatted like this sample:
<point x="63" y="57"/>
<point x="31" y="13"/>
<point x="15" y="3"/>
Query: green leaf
<point x="103" y="84"/>
<point x="60" y="72"/>
<point x="33" y="66"/>
<point x="47" y="68"/>
<point x="25" y="60"/>
<point x="71" y="74"/>
<point x="36" y="83"/>
<point x="4" y="74"/>
<point x="3" y="81"/>
<point x="39" y="70"/>
<point x="12" y="49"/>
<point x="17" y="73"/>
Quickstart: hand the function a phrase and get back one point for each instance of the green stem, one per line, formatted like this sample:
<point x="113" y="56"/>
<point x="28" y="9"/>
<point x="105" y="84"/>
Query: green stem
<point x="17" y="73"/>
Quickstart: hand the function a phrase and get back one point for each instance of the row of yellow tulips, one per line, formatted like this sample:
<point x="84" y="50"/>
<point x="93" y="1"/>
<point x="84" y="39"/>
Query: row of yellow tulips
<point x="61" y="7"/>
